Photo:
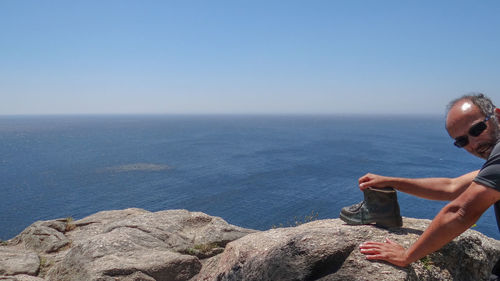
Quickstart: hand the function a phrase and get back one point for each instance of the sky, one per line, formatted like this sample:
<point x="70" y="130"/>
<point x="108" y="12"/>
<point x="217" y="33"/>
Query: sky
<point x="245" y="57"/>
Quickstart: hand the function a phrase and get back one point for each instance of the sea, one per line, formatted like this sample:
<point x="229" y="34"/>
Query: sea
<point x="254" y="171"/>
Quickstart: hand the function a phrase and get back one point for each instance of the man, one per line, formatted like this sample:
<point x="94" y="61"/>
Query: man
<point x="472" y="123"/>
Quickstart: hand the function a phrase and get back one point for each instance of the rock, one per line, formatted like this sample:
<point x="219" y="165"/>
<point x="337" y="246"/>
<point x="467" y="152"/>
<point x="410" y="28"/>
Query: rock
<point x="132" y="244"/>
<point x="179" y="230"/>
<point x="94" y="224"/>
<point x="44" y="237"/>
<point x="328" y="250"/>
<point x="138" y="276"/>
<point x="137" y="245"/>
<point x="21" y="277"/>
<point x="18" y="261"/>
<point x="121" y="253"/>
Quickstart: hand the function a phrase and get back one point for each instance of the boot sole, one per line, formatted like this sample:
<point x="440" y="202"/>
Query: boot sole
<point x="350" y="221"/>
<point x="385" y="223"/>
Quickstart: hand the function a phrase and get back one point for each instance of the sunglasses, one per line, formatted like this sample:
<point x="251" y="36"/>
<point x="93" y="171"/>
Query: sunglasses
<point x="475" y="130"/>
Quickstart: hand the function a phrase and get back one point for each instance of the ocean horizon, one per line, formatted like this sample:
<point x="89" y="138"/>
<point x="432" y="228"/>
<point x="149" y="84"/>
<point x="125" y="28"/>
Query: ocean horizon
<point x="253" y="170"/>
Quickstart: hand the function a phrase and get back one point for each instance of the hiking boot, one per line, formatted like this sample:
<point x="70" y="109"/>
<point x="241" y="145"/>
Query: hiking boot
<point x="380" y="207"/>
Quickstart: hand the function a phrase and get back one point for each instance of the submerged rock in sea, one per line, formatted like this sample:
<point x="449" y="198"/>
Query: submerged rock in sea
<point x="135" y="244"/>
<point x="143" y="167"/>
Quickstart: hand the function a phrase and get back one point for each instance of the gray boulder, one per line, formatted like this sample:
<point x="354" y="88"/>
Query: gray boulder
<point x="18" y="261"/>
<point x="137" y="245"/>
<point x="328" y="250"/>
<point x="133" y="244"/>
<point x="21" y="277"/>
<point x="123" y="252"/>
<point x="44" y="236"/>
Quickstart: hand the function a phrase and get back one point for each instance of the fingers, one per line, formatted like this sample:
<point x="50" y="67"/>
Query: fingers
<point x="364" y="186"/>
<point x="387" y="240"/>
<point x="363" y="178"/>
<point x="388" y="250"/>
<point x="372" y="250"/>
<point x="376" y="257"/>
<point x="372" y="180"/>
<point x="365" y="181"/>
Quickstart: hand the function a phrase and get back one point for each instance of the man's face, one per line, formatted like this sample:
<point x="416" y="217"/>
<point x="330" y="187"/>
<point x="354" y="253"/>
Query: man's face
<point x="461" y="117"/>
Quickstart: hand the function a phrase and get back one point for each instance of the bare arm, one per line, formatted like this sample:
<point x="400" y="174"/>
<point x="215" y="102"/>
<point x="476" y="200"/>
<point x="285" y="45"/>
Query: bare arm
<point x="445" y="189"/>
<point x="452" y="220"/>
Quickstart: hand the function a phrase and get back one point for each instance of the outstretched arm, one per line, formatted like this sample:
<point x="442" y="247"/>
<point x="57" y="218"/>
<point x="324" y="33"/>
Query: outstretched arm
<point x="445" y="189"/>
<point x="452" y="220"/>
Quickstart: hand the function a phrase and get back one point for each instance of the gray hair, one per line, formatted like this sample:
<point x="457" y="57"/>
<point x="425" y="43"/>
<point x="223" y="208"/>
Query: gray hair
<point x="483" y="102"/>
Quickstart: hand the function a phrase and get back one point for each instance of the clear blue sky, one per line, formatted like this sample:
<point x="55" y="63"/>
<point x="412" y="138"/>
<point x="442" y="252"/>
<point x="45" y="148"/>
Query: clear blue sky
<point x="248" y="56"/>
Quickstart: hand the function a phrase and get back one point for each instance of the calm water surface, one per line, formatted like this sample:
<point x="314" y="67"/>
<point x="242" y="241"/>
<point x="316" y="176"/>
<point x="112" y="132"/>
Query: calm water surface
<point x="253" y="171"/>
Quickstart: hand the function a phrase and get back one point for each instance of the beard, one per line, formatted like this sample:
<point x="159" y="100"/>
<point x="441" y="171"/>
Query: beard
<point x="484" y="150"/>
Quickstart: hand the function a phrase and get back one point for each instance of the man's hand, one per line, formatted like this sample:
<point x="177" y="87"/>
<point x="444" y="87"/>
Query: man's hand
<point x="389" y="251"/>
<point x="373" y="181"/>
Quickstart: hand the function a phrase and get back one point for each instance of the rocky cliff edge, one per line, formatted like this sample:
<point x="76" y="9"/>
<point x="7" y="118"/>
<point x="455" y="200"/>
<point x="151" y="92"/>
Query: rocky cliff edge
<point x="137" y="245"/>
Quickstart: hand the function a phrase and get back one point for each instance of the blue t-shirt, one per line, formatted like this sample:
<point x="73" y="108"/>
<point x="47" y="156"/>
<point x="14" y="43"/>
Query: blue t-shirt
<point x="489" y="176"/>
